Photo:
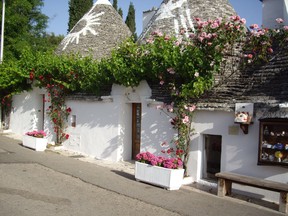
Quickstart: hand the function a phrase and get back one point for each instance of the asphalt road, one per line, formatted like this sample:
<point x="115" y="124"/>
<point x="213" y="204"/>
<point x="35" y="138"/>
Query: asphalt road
<point x="44" y="183"/>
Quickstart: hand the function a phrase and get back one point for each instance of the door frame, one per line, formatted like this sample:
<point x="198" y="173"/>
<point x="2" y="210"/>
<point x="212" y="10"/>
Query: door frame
<point x="206" y="142"/>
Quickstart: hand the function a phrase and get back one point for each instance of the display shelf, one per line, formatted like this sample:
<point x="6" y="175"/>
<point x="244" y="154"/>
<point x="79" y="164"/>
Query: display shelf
<point x="273" y="142"/>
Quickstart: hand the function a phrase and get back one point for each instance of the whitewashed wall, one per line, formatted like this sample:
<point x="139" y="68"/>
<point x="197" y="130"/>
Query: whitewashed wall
<point x="27" y="112"/>
<point x="239" y="152"/>
<point x="156" y="129"/>
<point x="96" y="131"/>
<point x="104" y="128"/>
<point x="273" y="9"/>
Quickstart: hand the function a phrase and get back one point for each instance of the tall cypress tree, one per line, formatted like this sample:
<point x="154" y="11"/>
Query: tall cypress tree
<point x="77" y="9"/>
<point x="130" y="20"/>
<point x="120" y="11"/>
<point x="115" y="4"/>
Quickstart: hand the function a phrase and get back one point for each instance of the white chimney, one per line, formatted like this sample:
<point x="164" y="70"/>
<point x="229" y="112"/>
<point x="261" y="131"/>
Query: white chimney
<point x="273" y="9"/>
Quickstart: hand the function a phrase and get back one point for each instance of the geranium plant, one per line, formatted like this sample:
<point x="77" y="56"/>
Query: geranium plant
<point x="37" y="134"/>
<point x="169" y="163"/>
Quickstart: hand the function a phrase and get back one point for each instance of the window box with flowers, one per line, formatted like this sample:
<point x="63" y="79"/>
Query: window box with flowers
<point x="164" y="172"/>
<point x="35" y="140"/>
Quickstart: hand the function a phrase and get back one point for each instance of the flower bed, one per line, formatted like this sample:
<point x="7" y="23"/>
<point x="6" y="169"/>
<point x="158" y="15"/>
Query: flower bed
<point x="35" y="140"/>
<point x="160" y="171"/>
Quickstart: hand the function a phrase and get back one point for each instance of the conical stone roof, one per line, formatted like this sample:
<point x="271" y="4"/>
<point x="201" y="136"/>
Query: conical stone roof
<point x="172" y="15"/>
<point x="98" y="32"/>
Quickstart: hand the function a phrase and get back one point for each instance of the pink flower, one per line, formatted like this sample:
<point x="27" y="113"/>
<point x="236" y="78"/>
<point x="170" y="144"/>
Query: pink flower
<point x="192" y="108"/>
<point x="279" y="20"/>
<point x="214" y="25"/>
<point x="167" y="37"/>
<point x="38" y="134"/>
<point x="285" y="28"/>
<point x="185" y="120"/>
<point x="254" y="26"/>
<point x="250" y="56"/>
<point x="162" y="82"/>
<point x="243" y="21"/>
<point x="171" y="70"/>
<point x="270" y="50"/>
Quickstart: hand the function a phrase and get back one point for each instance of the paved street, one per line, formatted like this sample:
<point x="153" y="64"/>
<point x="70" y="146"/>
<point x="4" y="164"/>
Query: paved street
<point x="47" y="183"/>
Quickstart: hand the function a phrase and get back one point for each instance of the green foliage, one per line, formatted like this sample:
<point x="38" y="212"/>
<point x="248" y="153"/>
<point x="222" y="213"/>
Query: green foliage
<point x="115" y="4"/>
<point x="120" y="12"/>
<point x="24" y="27"/>
<point x="130" y="20"/>
<point x="77" y="9"/>
<point x="261" y="42"/>
<point x="185" y="66"/>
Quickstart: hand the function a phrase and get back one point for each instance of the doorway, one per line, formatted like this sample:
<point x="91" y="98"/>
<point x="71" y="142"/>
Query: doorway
<point x="136" y="128"/>
<point x="212" y="156"/>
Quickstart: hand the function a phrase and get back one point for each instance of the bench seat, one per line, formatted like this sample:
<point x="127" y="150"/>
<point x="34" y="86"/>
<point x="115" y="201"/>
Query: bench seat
<point x="225" y="180"/>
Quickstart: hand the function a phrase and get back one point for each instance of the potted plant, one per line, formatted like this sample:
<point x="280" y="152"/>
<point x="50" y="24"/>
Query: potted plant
<point x="35" y="140"/>
<point x="160" y="171"/>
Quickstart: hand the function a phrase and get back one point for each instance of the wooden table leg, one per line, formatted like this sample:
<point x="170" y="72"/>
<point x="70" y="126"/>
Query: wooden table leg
<point x="224" y="187"/>
<point x="283" y="202"/>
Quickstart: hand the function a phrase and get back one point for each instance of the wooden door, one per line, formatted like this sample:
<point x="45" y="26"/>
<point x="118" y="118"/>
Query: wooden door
<point x="136" y="128"/>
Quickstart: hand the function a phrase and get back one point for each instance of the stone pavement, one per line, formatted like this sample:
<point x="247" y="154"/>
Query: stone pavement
<point x="119" y="178"/>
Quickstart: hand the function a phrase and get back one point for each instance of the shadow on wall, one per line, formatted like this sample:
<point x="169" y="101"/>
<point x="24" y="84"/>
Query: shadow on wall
<point x="158" y="132"/>
<point x="25" y="114"/>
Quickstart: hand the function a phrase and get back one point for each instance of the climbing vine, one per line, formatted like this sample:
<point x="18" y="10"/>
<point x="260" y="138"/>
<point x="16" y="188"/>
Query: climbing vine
<point x="184" y="66"/>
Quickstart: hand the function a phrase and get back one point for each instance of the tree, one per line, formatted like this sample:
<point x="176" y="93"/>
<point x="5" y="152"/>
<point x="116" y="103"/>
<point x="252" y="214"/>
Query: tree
<point x="120" y="11"/>
<point x="77" y="9"/>
<point x="130" y="20"/>
<point x="115" y="4"/>
<point x="24" y="27"/>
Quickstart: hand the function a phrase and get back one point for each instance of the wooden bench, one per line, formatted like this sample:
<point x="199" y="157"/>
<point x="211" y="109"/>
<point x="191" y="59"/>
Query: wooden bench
<point x="225" y="180"/>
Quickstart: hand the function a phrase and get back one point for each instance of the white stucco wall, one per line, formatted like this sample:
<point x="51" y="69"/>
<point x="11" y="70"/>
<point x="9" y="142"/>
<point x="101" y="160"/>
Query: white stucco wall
<point x="96" y="131"/>
<point x="273" y="9"/>
<point x="27" y="112"/>
<point x="104" y="128"/>
<point x="239" y="152"/>
<point x="156" y="129"/>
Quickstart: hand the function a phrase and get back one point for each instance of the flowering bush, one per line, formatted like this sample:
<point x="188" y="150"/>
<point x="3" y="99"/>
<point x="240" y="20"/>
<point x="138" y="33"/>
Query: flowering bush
<point x="58" y="111"/>
<point x="149" y="158"/>
<point x="38" y="134"/>
<point x="260" y="41"/>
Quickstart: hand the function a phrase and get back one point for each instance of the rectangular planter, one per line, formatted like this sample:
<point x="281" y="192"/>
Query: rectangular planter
<point x="38" y="144"/>
<point x="171" y="179"/>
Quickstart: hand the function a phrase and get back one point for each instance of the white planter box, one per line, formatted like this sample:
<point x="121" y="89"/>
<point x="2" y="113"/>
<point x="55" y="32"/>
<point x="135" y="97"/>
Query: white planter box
<point x="171" y="179"/>
<point x="38" y="144"/>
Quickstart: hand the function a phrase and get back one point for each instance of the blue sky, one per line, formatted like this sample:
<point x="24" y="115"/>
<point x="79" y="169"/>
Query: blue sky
<point x="57" y="11"/>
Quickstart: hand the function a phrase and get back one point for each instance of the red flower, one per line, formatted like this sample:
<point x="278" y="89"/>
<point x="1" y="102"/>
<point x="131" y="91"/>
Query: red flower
<point x="67" y="136"/>
<point x="31" y="75"/>
<point x="68" y="110"/>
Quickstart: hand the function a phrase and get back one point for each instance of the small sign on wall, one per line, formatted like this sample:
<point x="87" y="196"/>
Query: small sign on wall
<point x="244" y="113"/>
